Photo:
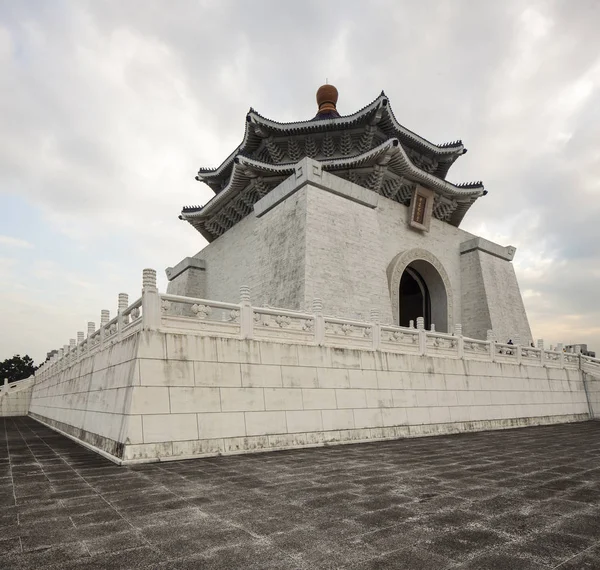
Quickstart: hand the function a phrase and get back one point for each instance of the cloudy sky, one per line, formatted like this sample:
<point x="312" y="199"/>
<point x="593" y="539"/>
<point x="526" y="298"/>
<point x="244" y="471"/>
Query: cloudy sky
<point x="108" y="108"/>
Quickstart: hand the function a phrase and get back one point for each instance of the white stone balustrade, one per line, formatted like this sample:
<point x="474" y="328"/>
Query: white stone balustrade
<point x="241" y="320"/>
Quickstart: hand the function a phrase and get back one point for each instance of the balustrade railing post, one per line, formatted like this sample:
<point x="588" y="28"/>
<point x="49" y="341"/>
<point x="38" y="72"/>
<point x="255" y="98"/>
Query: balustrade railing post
<point x="518" y="352"/>
<point x="151" y="316"/>
<point x="104" y="318"/>
<point x="492" y="340"/>
<point x="122" y="304"/>
<point x="65" y="360"/>
<point x="80" y="337"/>
<point x="317" y="307"/>
<point x="578" y="353"/>
<point x="460" y="341"/>
<point x="91" y="329"/>
<point x="246" y="313"/>
<point x="540" y="344"/>
<point x="561" y="355"/>
<point x="422" y="336"/>
<point x="376" y="329"/>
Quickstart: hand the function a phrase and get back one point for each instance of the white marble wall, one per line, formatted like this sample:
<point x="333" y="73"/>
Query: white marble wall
<point x="318" y="243"/>
<point x="159" y="382"/>
<point x="91" y="399"/>
<point x="593" y="386"/>
<point x="15" y="398"/>
<point x="199" y="395"/>
<point x="333" y="245"/>
<point x="491" y="298"/>
<point x="267" y="254"/>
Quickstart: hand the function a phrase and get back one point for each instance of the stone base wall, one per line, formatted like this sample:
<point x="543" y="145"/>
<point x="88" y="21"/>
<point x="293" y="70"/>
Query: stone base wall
<point x="15" y="398"/>
<point x="593" y="387"/>
<point x="204" y="395"/>
<point x="91" y="398"/>
<point x="161" y="395"/>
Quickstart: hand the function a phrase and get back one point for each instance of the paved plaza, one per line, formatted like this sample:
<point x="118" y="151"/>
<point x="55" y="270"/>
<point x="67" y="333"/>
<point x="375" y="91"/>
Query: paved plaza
<point x="526" y="498"/>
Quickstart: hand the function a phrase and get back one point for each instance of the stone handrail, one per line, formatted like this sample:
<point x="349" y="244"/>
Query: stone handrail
<point x="12" y="387"/>
<point x="113" y="330"/>
<point x="591" y="366"/>
<point x="156" y="311"/>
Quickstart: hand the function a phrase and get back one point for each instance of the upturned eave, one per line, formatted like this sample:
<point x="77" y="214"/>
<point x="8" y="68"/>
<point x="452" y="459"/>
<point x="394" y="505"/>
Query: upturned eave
<point x="379" y="112"/>
<point x="390" y="154"/>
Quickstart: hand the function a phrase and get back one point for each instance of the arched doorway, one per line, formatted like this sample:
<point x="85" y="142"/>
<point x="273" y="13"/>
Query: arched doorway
<point x="420" y="287"/>
<point x="415" y="301"/>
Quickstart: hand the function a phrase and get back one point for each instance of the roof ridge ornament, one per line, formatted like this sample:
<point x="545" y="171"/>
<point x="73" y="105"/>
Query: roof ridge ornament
<point x="327" y="96"/>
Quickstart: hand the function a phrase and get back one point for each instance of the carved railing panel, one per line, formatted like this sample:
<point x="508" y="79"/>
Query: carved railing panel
<point x="348" y="333"/>
<point x="571" y="360"/>
<point x="399" y="339"/>
<point x="200" y="314"/>
<point x="270" y="323"/>
<point x="110" y="329"/>
<point x="476" y="349"/>
<point x="441" y="344"/>
<point x="132" y="317"/>
<point x="505" y="352"/>
<point x="552" y="358"/>
<point x="531" y="355"/>
<point x="591" y="366"/>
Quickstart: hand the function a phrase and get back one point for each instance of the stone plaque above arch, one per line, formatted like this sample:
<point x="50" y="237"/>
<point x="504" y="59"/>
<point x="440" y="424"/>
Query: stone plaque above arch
<point x="394" y="273"/>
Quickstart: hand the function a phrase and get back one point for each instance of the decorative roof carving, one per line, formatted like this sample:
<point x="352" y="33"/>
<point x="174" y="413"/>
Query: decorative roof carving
<point x="369" y="148"/>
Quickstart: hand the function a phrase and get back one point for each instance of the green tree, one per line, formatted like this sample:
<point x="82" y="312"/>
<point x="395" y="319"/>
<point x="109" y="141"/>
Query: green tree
<point x="17" y="368"/>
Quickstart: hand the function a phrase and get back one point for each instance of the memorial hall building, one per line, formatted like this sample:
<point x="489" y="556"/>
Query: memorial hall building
<point x="356" y="211"/>
<point x="337" y="301"/>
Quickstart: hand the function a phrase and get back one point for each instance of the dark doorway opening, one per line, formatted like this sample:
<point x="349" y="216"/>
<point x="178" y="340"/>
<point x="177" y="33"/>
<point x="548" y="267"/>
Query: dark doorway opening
<point x="414" y="299"/>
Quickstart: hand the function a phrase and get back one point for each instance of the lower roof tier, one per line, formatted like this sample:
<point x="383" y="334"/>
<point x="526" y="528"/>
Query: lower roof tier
<point x="386" y="170"/>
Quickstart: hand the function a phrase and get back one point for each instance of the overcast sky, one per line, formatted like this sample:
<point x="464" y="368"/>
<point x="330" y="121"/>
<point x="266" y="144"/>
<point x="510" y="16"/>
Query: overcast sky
<point x="108" y="109"/>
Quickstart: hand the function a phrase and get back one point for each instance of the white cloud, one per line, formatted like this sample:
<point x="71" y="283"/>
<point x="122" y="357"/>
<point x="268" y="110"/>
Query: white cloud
<point x="14" y="242"/>
<point x="109" y="109"/>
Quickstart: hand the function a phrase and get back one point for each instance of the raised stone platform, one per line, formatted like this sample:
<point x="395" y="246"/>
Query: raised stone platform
<point x="176" y="377"/>
<point x="516" y="499"/>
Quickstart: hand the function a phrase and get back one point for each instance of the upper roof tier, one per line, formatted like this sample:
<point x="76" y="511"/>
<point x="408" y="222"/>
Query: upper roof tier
<point x="348" y="146"/>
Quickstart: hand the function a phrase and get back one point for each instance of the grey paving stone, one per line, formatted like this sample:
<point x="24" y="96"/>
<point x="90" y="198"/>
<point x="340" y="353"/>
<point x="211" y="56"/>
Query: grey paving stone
<point x="9" y="546"/>
<point x="552" y="548"/>
<point x="526" y="498"/>
<point x="518" y="524"/>
<point x="588" y="560"/>
<point x="130" y="559"/>
<point x="100" y="515"/>
<point x="54" y="557"/>
<point x="580" y="524"/>
<point x="500" y="561"/>
<point x="116" y="542"/>
<point x="407" y="559"/>
<point x="463" y="543"/>
<point x="258" y="556"/>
